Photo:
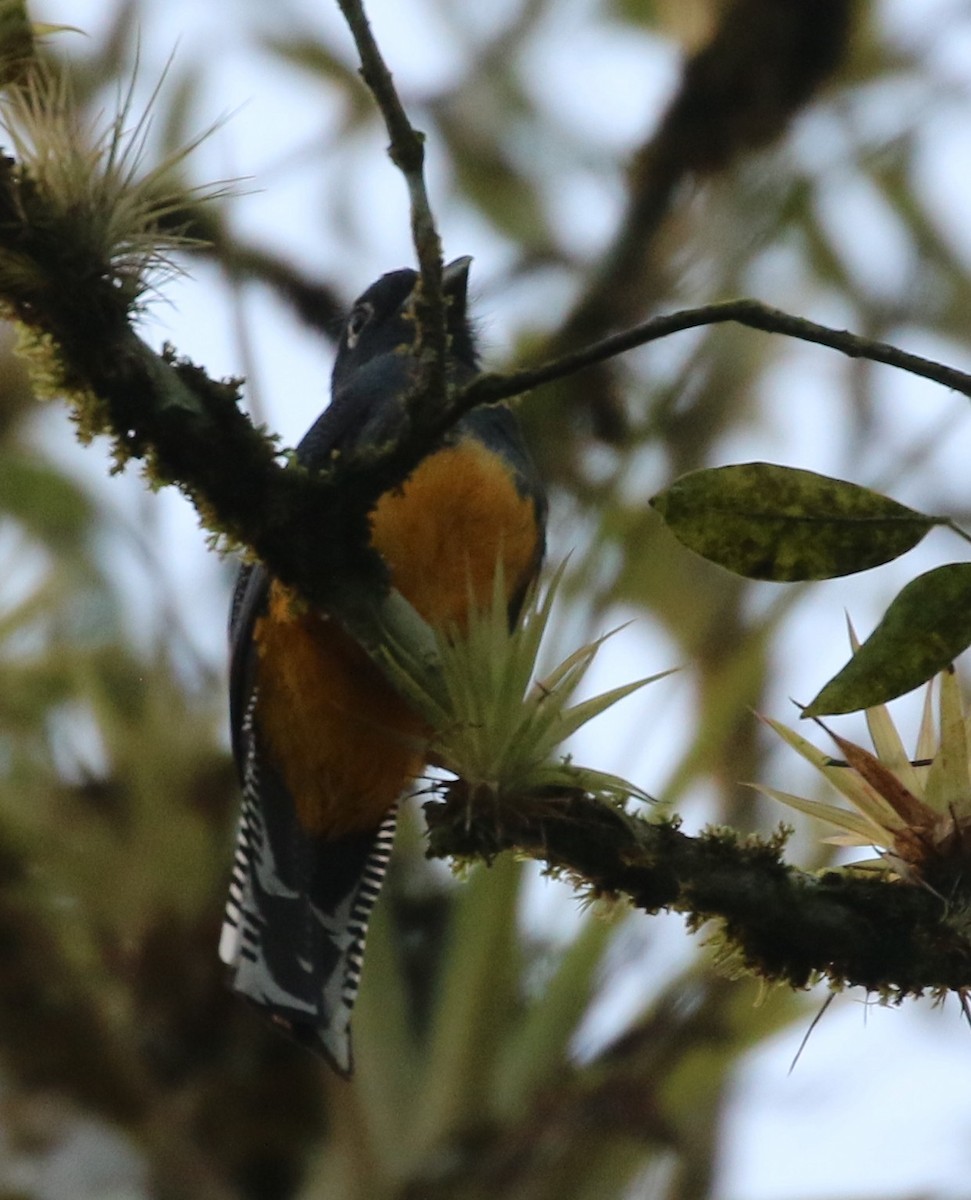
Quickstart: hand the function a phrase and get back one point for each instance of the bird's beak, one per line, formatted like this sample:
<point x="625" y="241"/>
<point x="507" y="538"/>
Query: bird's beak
<point x="455" y="285"/>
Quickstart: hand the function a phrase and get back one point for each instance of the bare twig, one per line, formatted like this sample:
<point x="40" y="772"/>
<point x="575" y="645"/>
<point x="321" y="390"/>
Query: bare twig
<point x="407" y="152"/>
<point x="492" y="388"/>
<point x="397" y="460"/>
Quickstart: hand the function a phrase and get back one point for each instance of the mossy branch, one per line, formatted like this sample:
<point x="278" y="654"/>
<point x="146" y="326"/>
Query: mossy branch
<point x="777" y="922"/>
<point x="310" y="530"/>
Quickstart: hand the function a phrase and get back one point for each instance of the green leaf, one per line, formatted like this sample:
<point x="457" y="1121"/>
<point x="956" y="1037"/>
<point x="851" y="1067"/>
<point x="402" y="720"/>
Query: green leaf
<point x="476" y="1001"/>
<point x="922" y="632"/>
<point x="538" y="1048"/>
<point x="785" y="524"/>
<point x="496" y="725"/>
<point x="388" y="1062"/>
<point x="49" y="504"/>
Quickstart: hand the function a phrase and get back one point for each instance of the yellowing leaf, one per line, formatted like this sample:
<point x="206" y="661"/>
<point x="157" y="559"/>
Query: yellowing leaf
<point x="862" y="832"/>
<point x="859" y="793"/>
<point x="907" y="806"/>
<point x="948" y="787"/>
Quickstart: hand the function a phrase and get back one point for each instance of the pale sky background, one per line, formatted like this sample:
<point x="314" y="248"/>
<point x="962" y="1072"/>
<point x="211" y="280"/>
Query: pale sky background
<point x="878" y="1104"/>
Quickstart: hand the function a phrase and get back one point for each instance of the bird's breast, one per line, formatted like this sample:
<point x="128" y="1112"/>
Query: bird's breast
<point x="445" y="531"/>
<point x="343" y="741"/>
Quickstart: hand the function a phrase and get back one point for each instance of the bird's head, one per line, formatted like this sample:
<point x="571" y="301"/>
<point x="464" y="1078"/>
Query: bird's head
<point x="382" y="320"/>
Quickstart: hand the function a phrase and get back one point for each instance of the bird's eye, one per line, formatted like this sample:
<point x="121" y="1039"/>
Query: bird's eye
<point x="356" y="323"/>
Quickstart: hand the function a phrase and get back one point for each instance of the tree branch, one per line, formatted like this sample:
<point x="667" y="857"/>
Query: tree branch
<point x="787" y="926"/>
<point x="493" y="388"/>
<point x="407" y="152"/>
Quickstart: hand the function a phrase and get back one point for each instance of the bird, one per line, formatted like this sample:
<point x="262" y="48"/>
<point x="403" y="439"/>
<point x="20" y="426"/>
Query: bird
<point x="324" y="746"/>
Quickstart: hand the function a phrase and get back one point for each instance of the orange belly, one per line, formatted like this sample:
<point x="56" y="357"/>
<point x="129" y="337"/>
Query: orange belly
<point x="344" y="742"/>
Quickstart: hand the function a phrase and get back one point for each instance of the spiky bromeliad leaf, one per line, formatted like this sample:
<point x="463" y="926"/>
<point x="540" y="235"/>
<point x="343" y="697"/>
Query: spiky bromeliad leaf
<point x="918" y="814"/>
<point x="82" y="199"/>
<point x="764" y="521"/>
<point x="495" y="724"/>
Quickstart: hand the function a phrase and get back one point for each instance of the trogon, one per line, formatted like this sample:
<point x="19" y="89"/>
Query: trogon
<point x="323" y="744"/>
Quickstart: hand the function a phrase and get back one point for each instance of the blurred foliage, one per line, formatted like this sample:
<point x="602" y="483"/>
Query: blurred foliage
<point x="486" y="1065"/>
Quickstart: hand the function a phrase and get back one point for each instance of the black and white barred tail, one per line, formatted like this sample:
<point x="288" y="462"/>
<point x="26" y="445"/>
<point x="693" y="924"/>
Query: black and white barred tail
<point x="298" y="910"/>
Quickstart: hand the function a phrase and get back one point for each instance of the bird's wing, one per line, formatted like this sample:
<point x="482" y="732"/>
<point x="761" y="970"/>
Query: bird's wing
<point x="298" y="909"/>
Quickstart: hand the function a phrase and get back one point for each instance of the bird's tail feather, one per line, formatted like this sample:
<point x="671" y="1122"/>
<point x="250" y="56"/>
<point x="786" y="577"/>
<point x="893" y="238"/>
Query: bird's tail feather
<point x="297" y="916"/>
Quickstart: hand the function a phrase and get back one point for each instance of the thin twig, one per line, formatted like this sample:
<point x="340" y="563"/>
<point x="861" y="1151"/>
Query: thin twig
<point x="955" y="528"/>
<point x="492" y="388"/>
<point x="400" y="458"/>
<point x="407" y="152"/>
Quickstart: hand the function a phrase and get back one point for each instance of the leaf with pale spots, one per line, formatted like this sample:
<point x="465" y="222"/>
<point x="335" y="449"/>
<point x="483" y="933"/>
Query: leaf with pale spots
<point x="925" y="628"/>
<point x="785" y="524"/>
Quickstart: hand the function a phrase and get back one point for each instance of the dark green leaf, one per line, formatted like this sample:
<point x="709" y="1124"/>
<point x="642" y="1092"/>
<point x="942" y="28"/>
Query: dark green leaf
<point x="781" y="523"/>
<point x="922" y="632"/>
<point x="49" y="504"/>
